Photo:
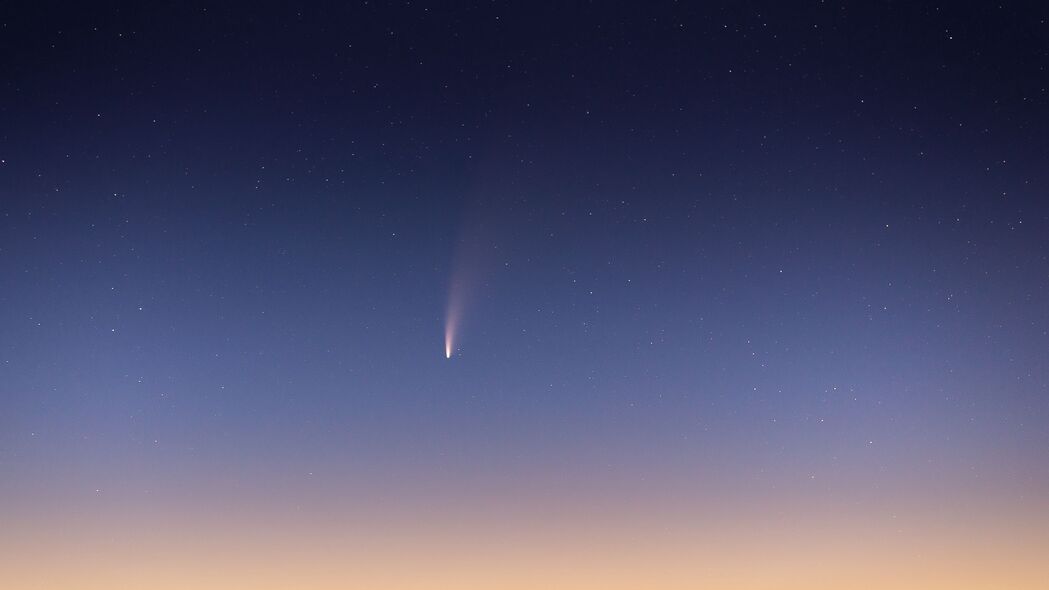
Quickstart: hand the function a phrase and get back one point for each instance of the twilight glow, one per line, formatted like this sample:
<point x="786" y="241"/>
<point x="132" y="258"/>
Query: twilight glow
<point x="741" y="296"/>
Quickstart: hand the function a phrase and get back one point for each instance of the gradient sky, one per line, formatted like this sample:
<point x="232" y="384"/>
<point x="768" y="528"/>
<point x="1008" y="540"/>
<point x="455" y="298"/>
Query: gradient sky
<point x="744" y="295"/>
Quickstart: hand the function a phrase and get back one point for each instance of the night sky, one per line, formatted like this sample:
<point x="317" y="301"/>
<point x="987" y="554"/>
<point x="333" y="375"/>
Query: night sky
<point x="522" y="295"/>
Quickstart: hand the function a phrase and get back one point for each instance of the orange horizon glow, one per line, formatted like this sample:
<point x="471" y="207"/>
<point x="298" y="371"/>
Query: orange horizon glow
<point x="567" y="553"/>
<point x="571" y="534"/>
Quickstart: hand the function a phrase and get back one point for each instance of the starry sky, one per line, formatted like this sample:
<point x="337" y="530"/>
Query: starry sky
<point x="512" y="295"/>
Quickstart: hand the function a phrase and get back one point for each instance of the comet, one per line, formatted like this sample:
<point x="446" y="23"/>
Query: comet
<point x="472" y="257"/>
<point x="449" y="340"/>
<point x="453" y="315"/>
<point x="470" y="260"/>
